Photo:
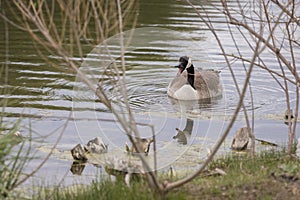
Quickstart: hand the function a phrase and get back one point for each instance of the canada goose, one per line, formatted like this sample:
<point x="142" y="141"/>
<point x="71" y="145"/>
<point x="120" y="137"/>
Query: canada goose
<point x="194" y="84"/>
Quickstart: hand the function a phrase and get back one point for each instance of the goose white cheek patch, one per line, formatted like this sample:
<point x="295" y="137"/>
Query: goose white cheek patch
<point x="189" y="63"/>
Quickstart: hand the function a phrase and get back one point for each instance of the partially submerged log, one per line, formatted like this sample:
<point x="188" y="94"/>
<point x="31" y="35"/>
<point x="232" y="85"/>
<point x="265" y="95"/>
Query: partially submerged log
<point x="264" y="142"/>
<point x="241" y="139"/>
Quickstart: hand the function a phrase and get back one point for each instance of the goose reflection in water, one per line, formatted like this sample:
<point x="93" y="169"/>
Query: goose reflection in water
<point x="190" y="107"/>
<point x="183" y="136"/>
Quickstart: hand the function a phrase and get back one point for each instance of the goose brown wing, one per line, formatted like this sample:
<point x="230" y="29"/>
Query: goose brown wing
<point x="207" y="83"/>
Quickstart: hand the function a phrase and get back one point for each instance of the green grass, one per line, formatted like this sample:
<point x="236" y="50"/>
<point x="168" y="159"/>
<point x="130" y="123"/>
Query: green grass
<point x="265" y="177"/>
<point x="101" y="190"/>
<point x="268" y="176"/>
<point x="13" y="158"/>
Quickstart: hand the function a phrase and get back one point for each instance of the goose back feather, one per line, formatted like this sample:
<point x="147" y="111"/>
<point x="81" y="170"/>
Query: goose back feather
<point x="206" y="83"/>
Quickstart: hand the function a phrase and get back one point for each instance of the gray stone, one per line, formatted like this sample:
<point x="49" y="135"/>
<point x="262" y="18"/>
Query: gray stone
<point x="96" y="145"/>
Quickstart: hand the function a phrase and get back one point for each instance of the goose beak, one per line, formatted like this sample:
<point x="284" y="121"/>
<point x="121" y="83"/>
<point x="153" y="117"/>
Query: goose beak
<point x="180" y="69"/>
<point x="180" y="65"/>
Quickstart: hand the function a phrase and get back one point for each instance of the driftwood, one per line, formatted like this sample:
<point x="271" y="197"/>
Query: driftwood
<point x="241" y="139"/>
<point x="264" y="142"/>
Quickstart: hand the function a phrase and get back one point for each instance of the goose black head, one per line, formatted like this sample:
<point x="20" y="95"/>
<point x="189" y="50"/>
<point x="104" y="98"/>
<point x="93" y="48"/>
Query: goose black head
<point x="184" y="63"/>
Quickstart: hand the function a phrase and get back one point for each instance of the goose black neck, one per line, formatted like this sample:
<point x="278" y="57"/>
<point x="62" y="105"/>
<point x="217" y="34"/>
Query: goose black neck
<point x="191" y="75"/>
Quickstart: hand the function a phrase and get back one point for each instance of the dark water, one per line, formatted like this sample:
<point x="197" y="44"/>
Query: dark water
<point x="165" y="31"/>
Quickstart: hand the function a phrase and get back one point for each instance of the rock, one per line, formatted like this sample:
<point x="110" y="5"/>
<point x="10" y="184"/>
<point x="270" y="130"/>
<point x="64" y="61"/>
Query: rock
<point x="145" y="144"/>
<point x="96" y="145"/>
<point x="17" y="137"/>
<point x="10" y="139"/>
<point x="241" y="139"/>
<point x="220" y="172"/>
<point x="78" y="153"/>
<point x="17" y="134"/>
<point x="285" y="177"/>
